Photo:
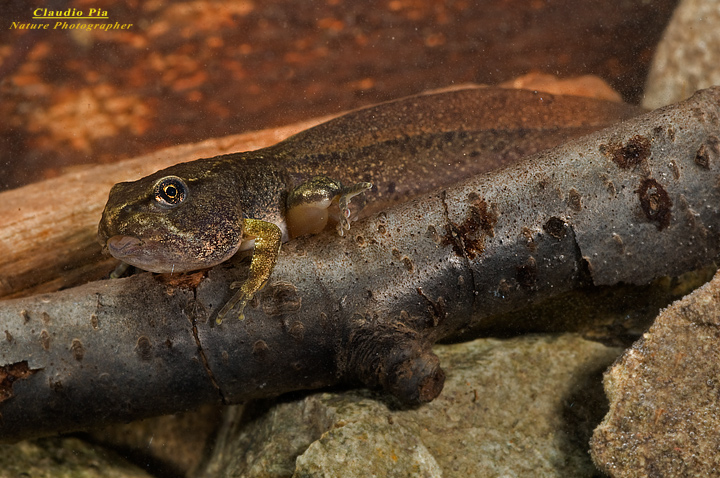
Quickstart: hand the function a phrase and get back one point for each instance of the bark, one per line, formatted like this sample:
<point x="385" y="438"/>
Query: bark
<point x="628" y="204"/>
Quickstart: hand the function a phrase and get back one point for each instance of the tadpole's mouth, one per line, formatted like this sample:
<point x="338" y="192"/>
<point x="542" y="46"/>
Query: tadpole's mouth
<point x="162" y="257"/>
<point x="124" y="246"/>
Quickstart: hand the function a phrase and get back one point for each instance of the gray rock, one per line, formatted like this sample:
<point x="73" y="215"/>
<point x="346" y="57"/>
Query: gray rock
<point x="63" y="457"/>
<point x="520" y="407"/>
<point x="664" y="396"/>
<point x="371" y="443"/>
<point x="688" y="57"/>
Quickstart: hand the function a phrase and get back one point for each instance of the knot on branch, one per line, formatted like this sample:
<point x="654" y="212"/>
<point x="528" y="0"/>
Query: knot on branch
<point x="395" y="357"/>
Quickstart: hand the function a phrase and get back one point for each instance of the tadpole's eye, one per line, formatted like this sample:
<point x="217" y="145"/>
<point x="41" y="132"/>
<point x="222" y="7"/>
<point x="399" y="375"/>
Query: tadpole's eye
<point x="170" y="191"/>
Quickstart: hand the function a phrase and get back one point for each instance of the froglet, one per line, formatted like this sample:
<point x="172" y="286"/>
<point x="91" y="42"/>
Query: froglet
<point x="198" y="214"/>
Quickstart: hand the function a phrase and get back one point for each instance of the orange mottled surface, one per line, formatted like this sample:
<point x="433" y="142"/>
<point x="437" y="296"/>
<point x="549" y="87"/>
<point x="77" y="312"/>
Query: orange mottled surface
<point x="187" y="71"/>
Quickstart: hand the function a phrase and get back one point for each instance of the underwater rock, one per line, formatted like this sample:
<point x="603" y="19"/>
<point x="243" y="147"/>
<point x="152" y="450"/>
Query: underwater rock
<point x="664" y="396"/>
<point x="688" y="57"/>
<point x="518" y="407"/>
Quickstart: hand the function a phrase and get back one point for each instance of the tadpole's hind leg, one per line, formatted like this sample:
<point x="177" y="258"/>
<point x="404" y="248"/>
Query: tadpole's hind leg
<point x="308" y="205"/>
<point x="346" y="194"/>
<point x="268" y="239"/>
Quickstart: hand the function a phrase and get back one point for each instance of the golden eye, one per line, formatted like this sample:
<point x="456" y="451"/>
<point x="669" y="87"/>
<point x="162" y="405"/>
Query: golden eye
<point x="170" y="191"/>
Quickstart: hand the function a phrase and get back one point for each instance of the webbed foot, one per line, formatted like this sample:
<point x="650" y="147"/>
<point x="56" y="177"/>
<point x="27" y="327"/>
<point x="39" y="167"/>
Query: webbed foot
<point x="240" y="299"/>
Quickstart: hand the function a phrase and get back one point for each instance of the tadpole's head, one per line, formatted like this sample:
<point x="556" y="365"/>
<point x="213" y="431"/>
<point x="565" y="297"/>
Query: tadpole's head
<point x="183" y="218"/>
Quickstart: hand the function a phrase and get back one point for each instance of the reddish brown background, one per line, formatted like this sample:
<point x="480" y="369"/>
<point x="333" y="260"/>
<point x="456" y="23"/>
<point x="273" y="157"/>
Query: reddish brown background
<point x="192" y="70"/>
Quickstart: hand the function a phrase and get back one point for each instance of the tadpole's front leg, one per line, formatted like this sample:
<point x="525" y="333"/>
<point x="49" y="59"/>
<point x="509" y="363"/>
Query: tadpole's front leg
<point x="268" y="239"/>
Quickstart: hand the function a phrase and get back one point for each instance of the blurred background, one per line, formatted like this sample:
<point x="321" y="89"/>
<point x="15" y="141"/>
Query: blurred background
<point x="191" y="70"/>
